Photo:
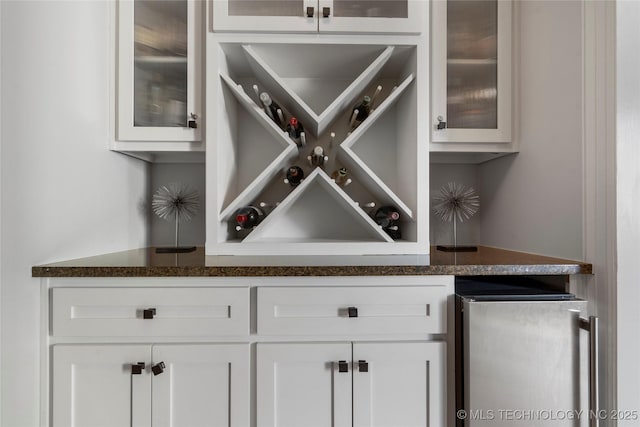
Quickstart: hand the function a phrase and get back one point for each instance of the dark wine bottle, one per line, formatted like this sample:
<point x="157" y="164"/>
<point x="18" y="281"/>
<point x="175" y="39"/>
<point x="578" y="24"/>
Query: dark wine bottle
<point x="317" y="157"/>
<point x="272" y="109"/>
<point x="248" y="217"/>
<point x="295" y="175"/>
<point x="360" y="112"/>
<point x="295" y="129"/>
<point x="386" y="216"/>
<point x="340" y="177"/>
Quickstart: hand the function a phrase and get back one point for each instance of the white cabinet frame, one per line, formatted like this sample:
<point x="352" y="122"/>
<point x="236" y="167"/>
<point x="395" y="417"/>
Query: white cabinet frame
<point x="446" y="139"/>
<point x="223" y="21"/>
<point x="162" y="137"/>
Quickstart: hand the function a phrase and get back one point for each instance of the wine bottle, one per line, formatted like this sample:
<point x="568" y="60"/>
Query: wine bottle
<point x="272" y="109"/>
<point x="360" y="111"/>
<point x="340" y="177"/>
<point x="248" y="217"/>
<point x="294" y="129"/>
<point x="295" y="175"/>
<point x="317" y="157"/>
<point x="386" y="216"/>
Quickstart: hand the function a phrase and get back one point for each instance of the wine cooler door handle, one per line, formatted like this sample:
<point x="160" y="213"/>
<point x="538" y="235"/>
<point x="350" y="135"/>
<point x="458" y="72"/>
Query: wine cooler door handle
<point x="591" y="325"/>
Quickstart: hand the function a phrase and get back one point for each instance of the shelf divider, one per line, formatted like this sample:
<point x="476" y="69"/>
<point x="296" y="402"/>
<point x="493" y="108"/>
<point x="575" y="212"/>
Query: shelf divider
<point x="281" y="90"/>
<point x="289" y="151"/>
<point x="363" y="172"/>
<point x="317" y="210"/>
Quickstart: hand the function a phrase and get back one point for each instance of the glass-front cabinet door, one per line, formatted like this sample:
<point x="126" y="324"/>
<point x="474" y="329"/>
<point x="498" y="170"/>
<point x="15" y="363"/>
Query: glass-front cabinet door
<point x="159" y="70"/>
<point x="471" y="71"/>
<point x="347" y="16"/>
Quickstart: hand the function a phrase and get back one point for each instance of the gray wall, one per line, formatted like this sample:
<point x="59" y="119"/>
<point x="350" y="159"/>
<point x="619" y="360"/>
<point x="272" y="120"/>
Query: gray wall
<point x="533" y="201"/>
<point x="64" y="195"/>
<point x="191" y="233"/>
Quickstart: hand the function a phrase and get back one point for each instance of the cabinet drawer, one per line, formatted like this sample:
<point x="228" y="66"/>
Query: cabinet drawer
<point x="150" y="312"/>
<point x="352" y="310"/>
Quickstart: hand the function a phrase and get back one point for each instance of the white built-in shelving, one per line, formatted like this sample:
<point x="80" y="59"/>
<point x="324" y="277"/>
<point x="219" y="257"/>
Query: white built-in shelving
<point x="319" y="83"/>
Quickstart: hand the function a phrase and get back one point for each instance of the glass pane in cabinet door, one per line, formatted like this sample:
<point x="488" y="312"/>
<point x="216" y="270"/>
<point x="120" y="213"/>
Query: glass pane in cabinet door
<point x="160" y="63"/>
<point x="370" y="8"/>
<point x="472" y="64"/>
<point x="266" y="7"/>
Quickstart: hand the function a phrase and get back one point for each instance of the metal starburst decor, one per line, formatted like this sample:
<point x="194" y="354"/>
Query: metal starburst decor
<point x="456" y="203"/>
<point x="175" y="201"/>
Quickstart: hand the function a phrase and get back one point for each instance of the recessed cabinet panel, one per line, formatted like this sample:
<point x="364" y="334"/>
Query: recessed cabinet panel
<point x="159" y="75"/>
<point x="400" y="384"/>
<point x="349" y="310"/>
<point x="321" y="86"/>
<point x="143" y="312"/>
<point x="303" y="384"/>
<point x="202" y="385"/>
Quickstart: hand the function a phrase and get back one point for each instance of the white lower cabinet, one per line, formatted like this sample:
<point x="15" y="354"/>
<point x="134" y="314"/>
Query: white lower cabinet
<point x="359" y="384"/>
<point x="249" y="352"/>
<point x="179" y="385"/>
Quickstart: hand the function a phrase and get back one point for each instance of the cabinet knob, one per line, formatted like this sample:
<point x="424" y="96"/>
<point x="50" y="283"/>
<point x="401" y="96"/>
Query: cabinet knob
<point x="193" y="121"/>
<point x="158" y="368"/>
<point x="441" y="123"/>
<point x="148" y="313"/>
<point x="310" y="11"/>
<point x="353" y="311"/>
<point x="137" y="368"/>
<point x="326" y="12"/>
<point x="343" y="366"/>
<point x="363" y="366"/>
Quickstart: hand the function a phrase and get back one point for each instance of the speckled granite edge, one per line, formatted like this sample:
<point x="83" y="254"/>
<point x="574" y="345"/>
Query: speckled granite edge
<point x="263" y="271"/>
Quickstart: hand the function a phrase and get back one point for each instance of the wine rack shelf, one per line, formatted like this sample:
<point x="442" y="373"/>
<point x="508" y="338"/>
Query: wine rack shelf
<point x="248" y="152"/>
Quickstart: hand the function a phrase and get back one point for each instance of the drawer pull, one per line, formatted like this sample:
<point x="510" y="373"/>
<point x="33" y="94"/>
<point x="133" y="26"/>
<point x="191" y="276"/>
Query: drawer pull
<point x="363" y="366"/>
<point x="158" y="368"/>
<point x="136" y="368"/>
<point x="148" y="313"/>
<point x="353" y="311"/>
<point x="343" y="366"/>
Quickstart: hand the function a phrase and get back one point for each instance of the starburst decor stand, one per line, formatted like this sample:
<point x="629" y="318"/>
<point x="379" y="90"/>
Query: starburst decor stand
<point x="455" y="202"/>
<point x="177" y="202"/>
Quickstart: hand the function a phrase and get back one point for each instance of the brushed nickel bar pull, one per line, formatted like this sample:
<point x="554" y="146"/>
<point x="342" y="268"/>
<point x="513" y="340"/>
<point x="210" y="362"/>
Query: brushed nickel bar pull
<point x="591" y="325"/>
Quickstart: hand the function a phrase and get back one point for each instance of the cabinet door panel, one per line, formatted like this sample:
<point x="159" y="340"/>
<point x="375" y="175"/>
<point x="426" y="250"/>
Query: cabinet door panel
<point x="93" y="386"/>
<point x="300" y="385"/>
<point x="403" y="384"/>
<point x="159" y="75"/>
<point x="471" y="72"/>
<point x="379" y="16"/>
<point x="270" y="15"/>
<point x="202" y="386"/>
<point x="100" y="312"/>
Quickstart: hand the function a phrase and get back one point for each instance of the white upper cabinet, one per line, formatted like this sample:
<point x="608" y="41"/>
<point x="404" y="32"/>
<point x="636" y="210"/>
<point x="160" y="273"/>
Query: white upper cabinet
<point x="344" y="16"/>
<point x="159" y="78"/>
<point x="471" y="76"/>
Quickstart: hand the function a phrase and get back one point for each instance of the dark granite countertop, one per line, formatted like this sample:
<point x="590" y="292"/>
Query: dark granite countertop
<point x="146" y="263"/>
